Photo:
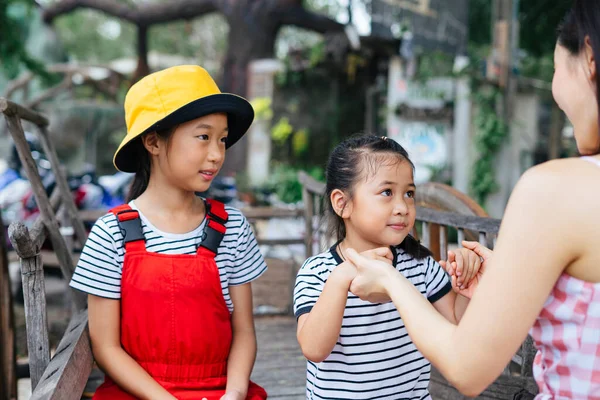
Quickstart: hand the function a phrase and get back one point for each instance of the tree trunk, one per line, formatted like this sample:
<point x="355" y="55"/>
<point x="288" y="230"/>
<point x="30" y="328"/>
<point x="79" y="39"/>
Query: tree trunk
<point x="252" y="36"/>
<point x="142" y="68"/>
<point x="253" y="28"/>
<point x="8" y="362"/>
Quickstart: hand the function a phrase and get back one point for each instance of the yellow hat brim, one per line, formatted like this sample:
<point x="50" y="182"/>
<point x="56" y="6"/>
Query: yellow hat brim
<point x="240" y="115"/>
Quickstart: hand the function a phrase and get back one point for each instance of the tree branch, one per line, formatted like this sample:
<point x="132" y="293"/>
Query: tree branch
<point x="297" y="15"/>
<point x="146" y="15"/>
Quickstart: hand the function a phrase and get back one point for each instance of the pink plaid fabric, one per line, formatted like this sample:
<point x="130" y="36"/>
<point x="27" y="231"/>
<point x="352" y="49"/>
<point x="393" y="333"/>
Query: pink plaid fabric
<point x="567" y="335"/>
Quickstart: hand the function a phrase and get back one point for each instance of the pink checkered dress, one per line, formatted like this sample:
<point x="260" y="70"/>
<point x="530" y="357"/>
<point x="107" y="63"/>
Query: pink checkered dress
<point x="567" y="334"/>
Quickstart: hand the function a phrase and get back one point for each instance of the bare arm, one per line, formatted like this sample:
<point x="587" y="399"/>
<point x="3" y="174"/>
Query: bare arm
<point x="529" y="257"/>
<point x="464" y="282"/>
<point x="243" y="348"/>
<point x="318" y="331"/>
<point x="105" y="331"/>
<point x="452" y="306"/>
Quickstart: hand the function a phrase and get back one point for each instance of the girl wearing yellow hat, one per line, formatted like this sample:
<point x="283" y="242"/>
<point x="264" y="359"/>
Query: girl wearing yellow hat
<point x="168" y="274"/>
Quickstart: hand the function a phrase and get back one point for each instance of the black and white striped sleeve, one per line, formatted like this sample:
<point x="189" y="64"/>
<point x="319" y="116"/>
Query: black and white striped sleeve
<point x="309" y="285"/>
<point x="249" y="262"/>
<point x="436" y="280"/>
<point x="98" y="271"/>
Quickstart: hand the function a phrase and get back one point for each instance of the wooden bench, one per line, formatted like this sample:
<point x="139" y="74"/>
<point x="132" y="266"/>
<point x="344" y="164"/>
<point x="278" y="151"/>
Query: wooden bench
<point x="439" y="208"/>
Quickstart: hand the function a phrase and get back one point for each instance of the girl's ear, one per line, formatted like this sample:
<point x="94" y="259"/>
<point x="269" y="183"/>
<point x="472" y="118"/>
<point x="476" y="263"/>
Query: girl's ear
<point x="151" y="143"/>
<point x="340" y="203"/>
<point x="589" y="58"/>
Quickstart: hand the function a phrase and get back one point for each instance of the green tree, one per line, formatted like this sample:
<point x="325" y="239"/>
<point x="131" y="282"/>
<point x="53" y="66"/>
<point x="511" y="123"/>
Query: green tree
<point x="14" y="17"/>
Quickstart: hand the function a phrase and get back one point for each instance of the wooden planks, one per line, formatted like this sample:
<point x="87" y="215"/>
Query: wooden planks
<point x="8" y="366"/>
<point x="280" y="366"/>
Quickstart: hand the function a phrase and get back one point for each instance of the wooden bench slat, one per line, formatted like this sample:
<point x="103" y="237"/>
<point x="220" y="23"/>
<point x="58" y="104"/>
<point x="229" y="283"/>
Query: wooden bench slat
<point x="34" y="294"/>
<point x="477" y="224"/>
<point x="69" y="369"/>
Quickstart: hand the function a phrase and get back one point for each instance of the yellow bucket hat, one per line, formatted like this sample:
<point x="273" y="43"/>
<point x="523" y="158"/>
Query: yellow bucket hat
<point x="173" y="96"/>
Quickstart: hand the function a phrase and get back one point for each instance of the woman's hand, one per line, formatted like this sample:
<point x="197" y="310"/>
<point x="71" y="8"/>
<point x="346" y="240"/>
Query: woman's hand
<point x="372" y="275"/>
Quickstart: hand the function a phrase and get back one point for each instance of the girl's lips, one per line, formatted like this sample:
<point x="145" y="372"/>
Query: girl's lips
<point x="208" y="174"/>
<point x="398" y="227"/>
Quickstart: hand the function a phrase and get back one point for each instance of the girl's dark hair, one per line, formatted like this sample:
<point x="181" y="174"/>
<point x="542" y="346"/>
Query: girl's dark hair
<point x="142" y="174"/>
<point x="357" y="158"/>
<point x="583" y="20"/>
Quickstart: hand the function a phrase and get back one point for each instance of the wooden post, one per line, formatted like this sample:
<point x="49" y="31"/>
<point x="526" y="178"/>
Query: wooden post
<point x="426" y="234"/>
<point x="461" y="236"/>
<point x="443" y="242"/>
<point x="8" y="361"/>
<point x="61" y="181"/>
<point x="308" y="221"/>
<point x="34" y="293"/>
<point x="46" y="213"/>
<point x="434" y="241"/>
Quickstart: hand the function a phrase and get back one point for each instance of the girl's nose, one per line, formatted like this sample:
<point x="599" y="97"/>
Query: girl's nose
<point x="401" y="208"/>
<point x="215" y="153"/>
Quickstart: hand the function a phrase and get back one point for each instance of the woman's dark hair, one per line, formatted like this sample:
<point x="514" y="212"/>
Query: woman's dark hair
<point x="142" y="174"/>
<point x="582" y="21"/>
<point x="357" y="158"/>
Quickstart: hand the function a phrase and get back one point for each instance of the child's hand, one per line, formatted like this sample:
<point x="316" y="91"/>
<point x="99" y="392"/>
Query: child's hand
<point x="233" y="395"/>
<point x="382" y="254"/>
<point x="466" y="267"/>
<point x="344" y="274"/>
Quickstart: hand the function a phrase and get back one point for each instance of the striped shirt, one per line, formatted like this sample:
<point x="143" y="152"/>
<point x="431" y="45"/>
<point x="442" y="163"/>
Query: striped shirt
<point x="99" y="269"/>
<point x="374" y="358"/>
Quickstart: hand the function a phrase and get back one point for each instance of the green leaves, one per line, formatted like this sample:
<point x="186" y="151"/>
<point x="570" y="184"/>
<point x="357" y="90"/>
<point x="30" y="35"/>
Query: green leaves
<point x="14" y="15"/>
<point x="492" y="131"/>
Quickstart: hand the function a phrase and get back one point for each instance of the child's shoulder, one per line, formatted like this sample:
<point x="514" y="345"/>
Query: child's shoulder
<point x="107" y="221"/>
<point x="235" y="218"/>
<point x="234" y="212"/>
<point x="320" y="262"/>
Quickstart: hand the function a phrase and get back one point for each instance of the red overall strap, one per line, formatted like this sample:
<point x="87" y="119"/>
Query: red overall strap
<point x="131" y="227"/>
<point x="214" y="230"/>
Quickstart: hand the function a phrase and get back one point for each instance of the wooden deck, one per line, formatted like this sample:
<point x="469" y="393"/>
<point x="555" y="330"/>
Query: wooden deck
<point x="280" y="366"/>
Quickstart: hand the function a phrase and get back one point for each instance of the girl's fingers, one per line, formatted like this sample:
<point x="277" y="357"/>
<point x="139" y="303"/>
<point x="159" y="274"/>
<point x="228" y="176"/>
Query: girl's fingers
<point x="451" y="256"/>
<point x="443" y="265"/>
<point x="459" y="263"/>
<point x="454" y="284"/>
<point x="453" y="268"/>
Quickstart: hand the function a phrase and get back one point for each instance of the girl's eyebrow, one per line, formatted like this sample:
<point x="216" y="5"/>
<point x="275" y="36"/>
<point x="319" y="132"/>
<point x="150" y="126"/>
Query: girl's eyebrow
<point x="209" y="127"/>
<point x="386" y="183"/>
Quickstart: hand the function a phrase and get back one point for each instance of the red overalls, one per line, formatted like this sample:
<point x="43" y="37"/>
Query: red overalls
<point x="174" y="320"/>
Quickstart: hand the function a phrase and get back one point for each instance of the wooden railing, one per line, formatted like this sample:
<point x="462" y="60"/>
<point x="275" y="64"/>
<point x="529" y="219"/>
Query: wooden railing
<point x="518" y="374"/>
<point x="64" y="375"/>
